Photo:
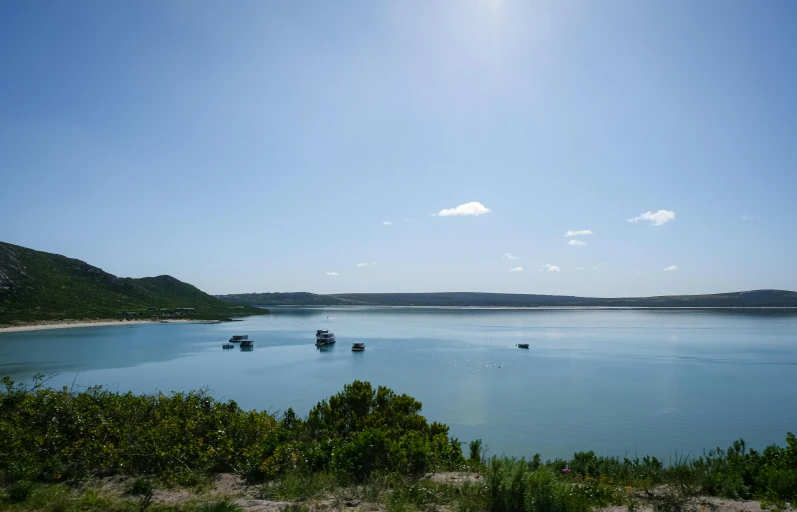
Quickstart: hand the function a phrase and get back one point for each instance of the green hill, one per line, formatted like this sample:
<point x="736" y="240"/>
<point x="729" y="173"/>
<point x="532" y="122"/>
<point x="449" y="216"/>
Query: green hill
<point x="36" y="285"/>
<point x="755" y="298"/>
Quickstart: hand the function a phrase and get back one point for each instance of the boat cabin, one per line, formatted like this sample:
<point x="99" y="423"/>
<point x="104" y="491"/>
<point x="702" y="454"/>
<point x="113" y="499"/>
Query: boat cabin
<point x="324" y="338"/>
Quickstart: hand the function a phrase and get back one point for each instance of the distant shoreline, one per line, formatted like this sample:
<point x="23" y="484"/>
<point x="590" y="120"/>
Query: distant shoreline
<point x="533" y="308"/>
<point x="67" y="324"/>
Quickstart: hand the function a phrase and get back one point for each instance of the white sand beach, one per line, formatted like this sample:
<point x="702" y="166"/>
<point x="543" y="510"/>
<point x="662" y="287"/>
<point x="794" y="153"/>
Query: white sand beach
<point x="65" y="324"/>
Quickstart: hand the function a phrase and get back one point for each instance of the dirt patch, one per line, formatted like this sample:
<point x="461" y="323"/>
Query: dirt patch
<point x="231" y="485"/>
<point x="453" y="478"/>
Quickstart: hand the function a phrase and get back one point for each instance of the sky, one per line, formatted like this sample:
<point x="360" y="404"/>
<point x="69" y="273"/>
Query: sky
<point x="612" y="148"/>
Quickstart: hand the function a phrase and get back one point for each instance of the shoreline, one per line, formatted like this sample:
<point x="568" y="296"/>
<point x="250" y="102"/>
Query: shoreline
<point x="68" y="324"/>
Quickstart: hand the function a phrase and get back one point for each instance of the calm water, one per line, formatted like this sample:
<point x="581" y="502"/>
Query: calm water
<point x="618" y="382"/>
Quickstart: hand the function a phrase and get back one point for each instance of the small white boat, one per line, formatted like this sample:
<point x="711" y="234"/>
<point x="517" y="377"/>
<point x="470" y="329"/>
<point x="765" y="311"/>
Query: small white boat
<point x="357" y="347"/>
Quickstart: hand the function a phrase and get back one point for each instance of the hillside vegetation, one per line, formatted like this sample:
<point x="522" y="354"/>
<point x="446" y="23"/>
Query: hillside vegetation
<point x="755" y="298"/>
<point x="36" y="285"/>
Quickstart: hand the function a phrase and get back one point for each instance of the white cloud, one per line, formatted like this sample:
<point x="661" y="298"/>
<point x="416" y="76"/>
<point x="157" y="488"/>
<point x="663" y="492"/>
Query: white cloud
<point x="671" y="268"/>
<point x="372" y="264"/>
<point x="510" y="256"/>
<point x="331" y="273"/>
<point x="576" y="242"/>
<point x="551" y="268"/>
<point x="407" y="220"/>
<point x="387" y="223"/>
<point x="516" y="269"/>
<point x="657" y="219"/>
<point x="751" y="217"/>
<point x="473" y="208"/>
<point x="581" y="268"/>
<point x="579" y="233"/>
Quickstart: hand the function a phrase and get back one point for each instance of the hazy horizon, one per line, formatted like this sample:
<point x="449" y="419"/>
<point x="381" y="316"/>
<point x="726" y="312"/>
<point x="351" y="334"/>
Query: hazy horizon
<point x="573" y="148"/>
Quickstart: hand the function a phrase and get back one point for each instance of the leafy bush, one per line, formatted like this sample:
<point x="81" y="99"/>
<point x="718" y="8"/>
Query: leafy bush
<point x="56" y="435"/>
<point x="362" y="431"/>
<point x="475" y="451"/>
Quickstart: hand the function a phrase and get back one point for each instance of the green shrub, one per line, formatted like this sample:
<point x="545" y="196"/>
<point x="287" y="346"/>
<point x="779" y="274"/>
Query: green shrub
<point x="473" y="497"/>
<point x="140" y="486"/>
<point x="224" y="505"/>
<point x="475" y="451"/>
<point x="513" y="486"/>
<point x="19" y="491"/>
<point x="298" y="486"/>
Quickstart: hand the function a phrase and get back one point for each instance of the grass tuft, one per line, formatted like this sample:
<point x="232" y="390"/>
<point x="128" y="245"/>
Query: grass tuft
<point x="223" y="505"/>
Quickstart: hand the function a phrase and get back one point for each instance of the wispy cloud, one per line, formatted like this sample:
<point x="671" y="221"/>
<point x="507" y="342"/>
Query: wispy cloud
<point x="751" y="217"/>
<point x="657" y="219"/>
<point x="473" y="208"/>
<point x="579" y="233"/>
<point x="671" y="268"/>
<point x="387" y="223"/>
<point x="407" y="220"/>
<point x="362" y="265"/>
<point x="576" y="242"/>
<point x="551" y="268"/>
<point x="510" y="256"/>
<point x="331" y="273"/>
<point x="516" y="269"/>
<point x="581" y="268"/>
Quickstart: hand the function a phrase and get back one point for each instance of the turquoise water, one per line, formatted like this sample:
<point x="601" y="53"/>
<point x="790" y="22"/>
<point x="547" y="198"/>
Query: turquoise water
<point x="617" y="382"/>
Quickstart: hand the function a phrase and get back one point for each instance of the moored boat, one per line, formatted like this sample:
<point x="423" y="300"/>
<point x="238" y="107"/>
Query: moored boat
<point x="247" y="343"/>
<point x="522" y="345"/>
<point x="324" y="338"/>
<point x="227" y="345"/>
<point x="239" y="338"/>
<point x="357" y="347"/>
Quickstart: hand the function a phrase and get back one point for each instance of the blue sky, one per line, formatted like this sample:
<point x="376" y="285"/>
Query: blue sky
<point x="260" y="146"/>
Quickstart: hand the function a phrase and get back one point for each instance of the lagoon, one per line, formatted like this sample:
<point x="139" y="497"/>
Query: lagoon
<point x="620" y="382"/>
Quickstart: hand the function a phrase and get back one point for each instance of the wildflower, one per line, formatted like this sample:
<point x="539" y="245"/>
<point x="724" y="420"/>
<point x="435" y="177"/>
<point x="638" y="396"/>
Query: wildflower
<point x="702" y="507"/>
<point x="628" y="488"/>
<point x="566" y="470"/>
<point x="603" y="479"/>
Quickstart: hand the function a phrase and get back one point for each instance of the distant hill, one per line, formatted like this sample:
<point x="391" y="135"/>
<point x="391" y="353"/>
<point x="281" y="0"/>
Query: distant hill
<point x="755" y="298"/>
<point x="36" y="285"/>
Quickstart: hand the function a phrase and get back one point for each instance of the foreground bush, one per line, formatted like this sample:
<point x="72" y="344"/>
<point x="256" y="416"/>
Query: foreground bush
<point x="365" y="438"/>
<point x="59" y="435"/>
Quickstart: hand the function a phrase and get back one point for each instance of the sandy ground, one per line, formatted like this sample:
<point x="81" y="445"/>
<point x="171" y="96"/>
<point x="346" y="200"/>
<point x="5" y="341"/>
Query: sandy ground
<point x="231" y="486"/>
<point x="65" y="324"/>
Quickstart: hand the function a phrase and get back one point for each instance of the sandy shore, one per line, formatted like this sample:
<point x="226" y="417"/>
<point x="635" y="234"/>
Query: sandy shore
<point x="65" y="324"/>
